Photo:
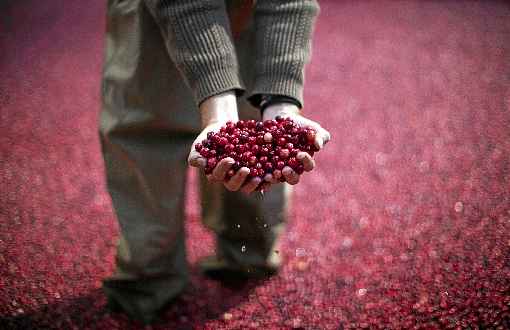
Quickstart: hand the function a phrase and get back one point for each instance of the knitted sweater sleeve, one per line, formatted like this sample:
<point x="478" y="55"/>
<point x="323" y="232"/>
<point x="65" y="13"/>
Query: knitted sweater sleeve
<point x="198" y="39"/>
<point x="283" y="45"/>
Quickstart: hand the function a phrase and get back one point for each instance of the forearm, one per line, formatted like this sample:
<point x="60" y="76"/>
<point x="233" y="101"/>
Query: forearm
<point x="199" y="41"/>
<point x="283" y="45"/>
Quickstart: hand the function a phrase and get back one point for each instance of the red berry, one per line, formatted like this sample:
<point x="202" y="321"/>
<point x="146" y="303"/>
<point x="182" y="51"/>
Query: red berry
<point x="281" y="141"/>
<point x="198" y="147"/>
<point x="299" y="169"/>
<point x="252" y="160"/>
<point x="280" y="165"/>
<point x="310" y="136"/>
<point x="268" y="167"/>
<point x="211" y="162"/>
<point x="293" y="162"/>
<point x="222" y="141"/>
<point x="255" y="149"/>
<point x="284" y="153"/>
<point x="240" y="124"/>
<point x="263" y="159"/>
<point x="229" y="148"/>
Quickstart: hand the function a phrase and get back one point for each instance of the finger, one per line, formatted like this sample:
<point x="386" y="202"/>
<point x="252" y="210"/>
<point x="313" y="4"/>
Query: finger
<point x="222" y="168"/>
<point x="319" y="141"/>
<point x="290" y="176"/>
<point x="196" y="160"/>
<point x="326" y="136"/>
<point x="307" y="160"/>
<point x="237" y="180"/>
<point x="251" y="185"/>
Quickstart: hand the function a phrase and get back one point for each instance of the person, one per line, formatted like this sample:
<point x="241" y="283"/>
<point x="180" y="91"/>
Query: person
<point x="164" y="61"/>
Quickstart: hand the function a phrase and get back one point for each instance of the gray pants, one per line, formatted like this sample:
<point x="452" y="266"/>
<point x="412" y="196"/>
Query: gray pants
<point x="148" y="122"/>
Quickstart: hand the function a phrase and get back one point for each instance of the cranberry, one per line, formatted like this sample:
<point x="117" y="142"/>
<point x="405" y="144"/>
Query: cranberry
<point x="211" y="162"/>
<point x="264" y="151"/>
<point x="268" y="167"/>
<point x="284" y="153"/>
<point x="223" y="141"/>
<point x="240" y="124"/>
<point x="198" y="147"/>
<point x="280" y="165"/>
<point x="299" y="169"/>
<point x="263" y="159"/>
<point x="253" y="172"/>
<point x="260" y="139"/>
<point x="251" y="123"/>
<point x="252" y="160"/>
<point x="279" y="119"/>
<point x="293" y="162"/>
<point x="310" y="136"/>
<point x="259" y="126"/>
<point x="246" y="156"/>
<point x="255" y="149"/>
<point x="229" y="148"/>
<point x="281" y="141"/>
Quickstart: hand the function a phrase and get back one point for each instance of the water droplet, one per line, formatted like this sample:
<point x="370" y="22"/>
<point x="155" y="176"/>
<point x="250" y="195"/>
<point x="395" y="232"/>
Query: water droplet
<point x="238" y="226"/>
<point x="459" y="207"/>
<point x="243" y="248"/>
<point x="265" y="225"/>
<point x="300" y="252"/>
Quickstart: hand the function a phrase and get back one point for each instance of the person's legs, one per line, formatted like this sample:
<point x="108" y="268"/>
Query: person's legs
<point x="146" y="177"/>
<point x="148" y="122"/>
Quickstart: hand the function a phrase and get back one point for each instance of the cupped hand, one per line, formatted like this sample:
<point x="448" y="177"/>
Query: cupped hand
<point x="322" y="136"/>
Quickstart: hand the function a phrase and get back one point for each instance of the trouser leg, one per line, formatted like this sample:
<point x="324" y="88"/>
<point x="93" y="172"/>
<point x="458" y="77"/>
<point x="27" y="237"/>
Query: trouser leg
<point x="146" y="173"/>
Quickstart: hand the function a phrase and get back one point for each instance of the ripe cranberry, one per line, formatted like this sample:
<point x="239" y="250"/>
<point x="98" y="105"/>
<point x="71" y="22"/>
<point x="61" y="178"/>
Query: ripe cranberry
<point x="276" y="159"/>
<point x="299" y="169"/>
<point x="279" y="119"/>
<point x="268" y="167"/>
<point x="252" y="140"/>
<point x="253" y="172"/>
<point x="281" y="141"/>
<point x="310" y="135"/>
<point x="252" y="160"/>
<point x="246" y="156"/>
<point x="268" y="137"/>
<point x="250" y="123"/>
<point x="284" y="153"/>
<point x="293" y="162"/>
<point x="205" y="152"/>
<point x="240" y="124"/>
<point x="260" y="139"/>
<point x="222" y="141"/>
<point x="258" y="166"/>
<point x="229" y="148"/>
<point x="211" y="162"/>
<point x="210" y="135"/>
<point x="255" y="149"/>
<point x="212" y="153"/>
<point x="198" y="147"/>
<point x="261" y="173"/>
<point x="264" y="151"/>
<point x="241" y="148"/>
<point x="235" y="140"/>
<point x="293" y="152"/>
<point x="263" y="159"/>
<point x="259" y="126"/>
<point x="280" y="165"/>
<point x="289" y="146"/>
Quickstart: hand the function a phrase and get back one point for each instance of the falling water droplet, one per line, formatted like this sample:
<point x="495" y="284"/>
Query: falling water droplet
<point x="238" y="226"/>
<point x="243" y="248"/>
<point x="265" y="225"/>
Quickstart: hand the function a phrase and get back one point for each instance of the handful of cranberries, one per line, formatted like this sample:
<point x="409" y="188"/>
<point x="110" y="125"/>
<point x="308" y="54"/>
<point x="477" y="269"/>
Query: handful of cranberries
<point x="263" y="147"/>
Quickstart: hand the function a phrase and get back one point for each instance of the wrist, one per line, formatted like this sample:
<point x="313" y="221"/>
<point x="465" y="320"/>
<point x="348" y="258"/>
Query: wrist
<point x="219" y="108"/>
<point x="280" y="109"/>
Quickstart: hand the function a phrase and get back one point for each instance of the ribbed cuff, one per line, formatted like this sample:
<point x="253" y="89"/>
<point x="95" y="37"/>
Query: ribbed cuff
<point x="216" y="82"/>
<point x="280" y="86"/>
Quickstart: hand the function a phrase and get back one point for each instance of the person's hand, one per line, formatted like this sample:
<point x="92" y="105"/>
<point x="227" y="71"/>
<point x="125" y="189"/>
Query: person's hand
<point x="216" y="111"/>
<point x="322" y="136"/>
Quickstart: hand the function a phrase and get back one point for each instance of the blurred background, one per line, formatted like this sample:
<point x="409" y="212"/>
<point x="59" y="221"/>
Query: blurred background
<point x="411" y="224"/>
